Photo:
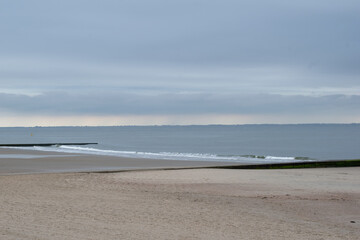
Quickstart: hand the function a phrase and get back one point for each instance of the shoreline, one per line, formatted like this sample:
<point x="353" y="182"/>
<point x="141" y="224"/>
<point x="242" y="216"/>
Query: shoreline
<point x="22" y="161"/>
<point x="34" y="162"/>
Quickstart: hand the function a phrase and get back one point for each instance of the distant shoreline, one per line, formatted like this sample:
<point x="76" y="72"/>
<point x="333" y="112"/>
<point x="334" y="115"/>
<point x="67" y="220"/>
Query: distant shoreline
<point x="182" y="125"/>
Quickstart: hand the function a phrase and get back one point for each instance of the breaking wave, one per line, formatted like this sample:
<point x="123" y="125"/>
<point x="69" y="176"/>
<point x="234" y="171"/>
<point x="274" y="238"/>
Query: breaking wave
<point x="172" y="155"/>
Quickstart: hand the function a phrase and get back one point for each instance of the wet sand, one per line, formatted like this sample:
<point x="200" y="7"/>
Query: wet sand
<point x="183" y="204"/>
<point x="15" y="161"/>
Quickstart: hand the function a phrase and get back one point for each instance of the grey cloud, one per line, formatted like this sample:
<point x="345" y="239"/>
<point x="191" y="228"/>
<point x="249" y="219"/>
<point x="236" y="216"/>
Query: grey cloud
<point x="321" y="35"/>
<point x="122" y="103"/>
<point x="41" y="75"/>
<point x="180" y="57"/>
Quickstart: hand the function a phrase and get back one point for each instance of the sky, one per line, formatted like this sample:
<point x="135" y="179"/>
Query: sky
<point x="179" y="62"/>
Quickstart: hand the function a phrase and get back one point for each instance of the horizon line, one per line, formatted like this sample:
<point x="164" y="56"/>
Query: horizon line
<point x="179" y="125"/>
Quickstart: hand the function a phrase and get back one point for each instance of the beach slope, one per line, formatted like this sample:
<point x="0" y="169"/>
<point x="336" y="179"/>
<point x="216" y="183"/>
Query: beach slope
<point x="183" y="204"/>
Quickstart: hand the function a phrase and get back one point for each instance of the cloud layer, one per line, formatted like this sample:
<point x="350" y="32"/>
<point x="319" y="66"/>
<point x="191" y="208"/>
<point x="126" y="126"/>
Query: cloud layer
<point x="60" y="103"/>
<point x="180" y="57"/>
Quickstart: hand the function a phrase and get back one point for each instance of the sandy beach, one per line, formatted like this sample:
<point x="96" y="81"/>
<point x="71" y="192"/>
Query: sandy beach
<point x="183" y="204"/>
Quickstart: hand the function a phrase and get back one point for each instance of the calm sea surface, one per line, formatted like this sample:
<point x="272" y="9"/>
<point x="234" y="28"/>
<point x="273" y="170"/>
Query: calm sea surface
<point x="237" y="143"/>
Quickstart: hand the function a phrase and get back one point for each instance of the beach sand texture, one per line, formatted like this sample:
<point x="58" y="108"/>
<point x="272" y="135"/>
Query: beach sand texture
<point x="183" y="204"/>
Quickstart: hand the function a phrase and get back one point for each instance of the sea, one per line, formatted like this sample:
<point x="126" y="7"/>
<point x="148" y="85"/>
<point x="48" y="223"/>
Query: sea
<point x="260" y="143"/>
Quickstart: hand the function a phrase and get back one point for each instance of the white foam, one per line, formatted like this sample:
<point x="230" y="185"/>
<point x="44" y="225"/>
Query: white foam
<point x="161" y="155"/>
<point x="279" y="158"/>
<point x="164" y="155"/>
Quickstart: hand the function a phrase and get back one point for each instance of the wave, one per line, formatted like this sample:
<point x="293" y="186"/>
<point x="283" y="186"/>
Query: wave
<point x="170" y="155"/>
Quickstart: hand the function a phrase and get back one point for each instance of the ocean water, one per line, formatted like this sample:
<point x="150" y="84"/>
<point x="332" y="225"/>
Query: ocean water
<point x="234" y="143"/>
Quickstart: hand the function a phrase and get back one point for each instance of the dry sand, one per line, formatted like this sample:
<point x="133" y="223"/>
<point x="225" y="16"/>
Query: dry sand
<point x="183" y="204"/>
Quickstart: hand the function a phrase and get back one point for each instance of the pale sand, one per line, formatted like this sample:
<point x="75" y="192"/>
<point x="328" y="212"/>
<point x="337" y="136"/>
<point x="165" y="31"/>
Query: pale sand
<point x="183" y="204"/>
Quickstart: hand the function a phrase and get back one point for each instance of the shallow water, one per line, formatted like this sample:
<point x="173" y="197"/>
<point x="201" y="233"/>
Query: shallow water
<point x="235" y="143"/>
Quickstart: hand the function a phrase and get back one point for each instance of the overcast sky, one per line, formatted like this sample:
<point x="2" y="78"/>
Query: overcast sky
<point x="131" y="62"/>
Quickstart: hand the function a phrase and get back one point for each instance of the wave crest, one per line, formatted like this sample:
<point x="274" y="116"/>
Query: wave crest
<point x="171" y="155"/>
